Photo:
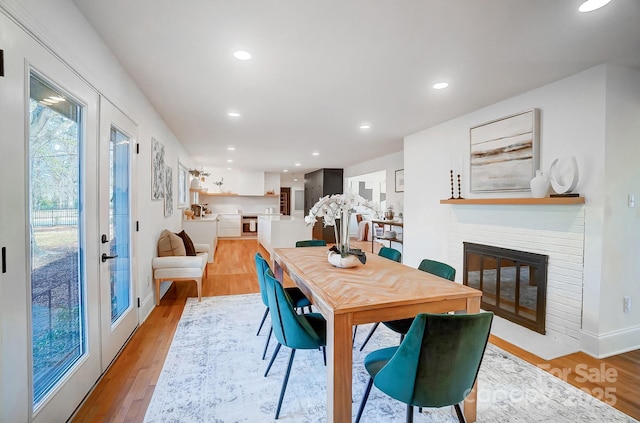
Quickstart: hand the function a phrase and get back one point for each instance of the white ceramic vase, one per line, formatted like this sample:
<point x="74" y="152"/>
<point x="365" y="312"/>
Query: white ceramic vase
<point x="344" y="262"/>
<point x="195" y="183"/>
<point x="539" y="185"/>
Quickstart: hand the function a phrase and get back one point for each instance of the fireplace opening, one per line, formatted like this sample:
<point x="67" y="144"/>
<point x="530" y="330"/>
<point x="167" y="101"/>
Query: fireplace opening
<point x="513" y="283"/>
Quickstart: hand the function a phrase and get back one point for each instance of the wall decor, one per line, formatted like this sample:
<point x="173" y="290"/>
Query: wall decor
<point x="504" y="153"/>
<point x="157" y="169"/>
<point x="183" y="186"/>
<point x="400" y="180"/>
<point x="168" y="191"/>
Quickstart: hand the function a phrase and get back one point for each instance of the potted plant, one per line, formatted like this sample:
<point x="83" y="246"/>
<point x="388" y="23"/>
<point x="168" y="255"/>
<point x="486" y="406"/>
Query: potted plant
<point x="199" y="176"/>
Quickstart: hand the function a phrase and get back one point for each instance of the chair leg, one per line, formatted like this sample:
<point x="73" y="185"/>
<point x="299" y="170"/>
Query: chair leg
<point x="266" y="344"/>
<point x="199" y="288"/>
<point x="401" y="337"/>
<point x="284" y="383"/>
<point x="273" y="357"/>
<point x="324" y="355"/>
<point x="409" y="413"/>
<point x="353" y="340"/>
<point x="264" y="317"/>
<point x="364" y="399"/>
<point x="461" y="418"/>
<point x="373" y="329"/>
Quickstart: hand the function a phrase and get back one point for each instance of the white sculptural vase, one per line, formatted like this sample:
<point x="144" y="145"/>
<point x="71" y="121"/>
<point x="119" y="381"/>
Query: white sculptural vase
<point x="539" y="185"/>
<point x="345" y="262"/>
<point x="195" y="183"/>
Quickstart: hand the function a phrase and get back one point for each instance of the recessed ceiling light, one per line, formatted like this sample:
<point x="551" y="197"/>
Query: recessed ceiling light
<point x="231" y="148"/>
<point x="285" y="170"/>
<point x="591" y="5"/>
<point x="297" y="164"/>
<point x="228" y="168"/>
<point x="229" y="161"/>
<point x="440" y="85"/>
<point x="233" y="114"/>
<point x="315" y="153"/>
<point x="365" y="126"/>
<point x="242" y="55"/>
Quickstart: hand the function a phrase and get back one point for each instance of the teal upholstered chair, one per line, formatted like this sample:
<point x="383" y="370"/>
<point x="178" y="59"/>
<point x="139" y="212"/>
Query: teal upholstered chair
<point x="436" y="364"/>
<point x="402" y="326"/>
<point x="297" y="297"/>
<point x="437" y="268"/>
<point x="311" y="243"/>
<point x="296" y="331"/>
<point x="391" y="254"/>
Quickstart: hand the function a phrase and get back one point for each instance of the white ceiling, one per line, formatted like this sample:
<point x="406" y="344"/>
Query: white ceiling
<point x="322" y="68"/>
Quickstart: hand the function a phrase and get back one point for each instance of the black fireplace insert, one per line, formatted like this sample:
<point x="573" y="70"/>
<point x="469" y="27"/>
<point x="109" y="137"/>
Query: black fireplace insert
<point x="513" y="283"/>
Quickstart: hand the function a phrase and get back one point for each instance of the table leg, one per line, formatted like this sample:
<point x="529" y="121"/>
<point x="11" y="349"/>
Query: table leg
<point x="278" y="272"/>
<point x="471" y="402"/>
<point x="339" y="368"/>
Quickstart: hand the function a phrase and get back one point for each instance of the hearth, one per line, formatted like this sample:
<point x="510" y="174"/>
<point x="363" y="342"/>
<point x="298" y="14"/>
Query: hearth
<point x="513" y="283"/>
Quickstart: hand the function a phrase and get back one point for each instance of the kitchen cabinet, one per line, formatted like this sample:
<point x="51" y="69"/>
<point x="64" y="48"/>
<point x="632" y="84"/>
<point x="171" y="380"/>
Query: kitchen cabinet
<point x="203" y="231"/>
<point x="275" y="231"/>
<point x="229" y="225"/>
<point x="316" y="185"/>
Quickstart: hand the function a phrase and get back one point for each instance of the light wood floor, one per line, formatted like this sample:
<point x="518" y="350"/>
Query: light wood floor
<point x="125" y="391"/>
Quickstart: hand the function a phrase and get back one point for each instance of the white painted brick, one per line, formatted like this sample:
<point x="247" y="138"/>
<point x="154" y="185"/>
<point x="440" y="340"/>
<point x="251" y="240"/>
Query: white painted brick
<point x="557" y="231"/>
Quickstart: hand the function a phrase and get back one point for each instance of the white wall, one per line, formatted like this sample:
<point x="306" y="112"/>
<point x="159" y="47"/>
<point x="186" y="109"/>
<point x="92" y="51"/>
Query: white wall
<point x="575" y="120"/>
<point x="621" y="229"/>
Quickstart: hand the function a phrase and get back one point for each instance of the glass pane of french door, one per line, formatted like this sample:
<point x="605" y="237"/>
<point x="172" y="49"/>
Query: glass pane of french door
<point x="57" y="285"/>
<point x="119" y="223"/>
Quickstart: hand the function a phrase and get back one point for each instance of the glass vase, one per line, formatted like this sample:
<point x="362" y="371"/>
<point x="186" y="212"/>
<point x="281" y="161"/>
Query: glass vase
<point x="344" y="230"/>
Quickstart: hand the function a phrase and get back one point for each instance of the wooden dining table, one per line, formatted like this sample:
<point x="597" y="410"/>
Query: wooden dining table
<point x="379" y="290"/>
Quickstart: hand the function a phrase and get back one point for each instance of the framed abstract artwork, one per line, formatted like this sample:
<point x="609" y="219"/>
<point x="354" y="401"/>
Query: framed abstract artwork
<point x="157" y="169"/>
<point x="168" y="191"/>
<point x="504" y="153"/>
<point x="400" y="180"/>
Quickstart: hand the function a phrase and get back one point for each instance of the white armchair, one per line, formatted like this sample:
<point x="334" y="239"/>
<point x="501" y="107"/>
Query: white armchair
<point x="181" y="268"/>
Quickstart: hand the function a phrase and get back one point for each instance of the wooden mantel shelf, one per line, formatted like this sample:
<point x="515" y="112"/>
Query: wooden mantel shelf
<point x="517" y="201"/>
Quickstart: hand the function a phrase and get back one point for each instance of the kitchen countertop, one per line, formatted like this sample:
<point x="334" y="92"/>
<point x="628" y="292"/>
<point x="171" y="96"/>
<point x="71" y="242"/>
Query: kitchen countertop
<point x="208" y="218"/>
<point x="273" y="217"/>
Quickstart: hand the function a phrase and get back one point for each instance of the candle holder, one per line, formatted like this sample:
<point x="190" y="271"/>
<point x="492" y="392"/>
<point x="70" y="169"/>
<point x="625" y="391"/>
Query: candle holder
<point x="452" y="197"/>
<point x="459" y="196"/>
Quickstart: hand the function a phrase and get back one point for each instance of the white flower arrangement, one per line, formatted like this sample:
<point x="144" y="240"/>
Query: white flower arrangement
<point x="332" y="207"/>
<point x="340" y="206"/>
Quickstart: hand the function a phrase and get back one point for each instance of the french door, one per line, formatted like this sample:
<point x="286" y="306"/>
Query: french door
<point x="63" y="185"/>
<point x="118" y="316"/>
<point x="61" y="232"/>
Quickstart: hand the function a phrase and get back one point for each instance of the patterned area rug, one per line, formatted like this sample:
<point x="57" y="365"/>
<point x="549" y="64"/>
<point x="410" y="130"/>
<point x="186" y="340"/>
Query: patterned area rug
<point x="213" y="373"/>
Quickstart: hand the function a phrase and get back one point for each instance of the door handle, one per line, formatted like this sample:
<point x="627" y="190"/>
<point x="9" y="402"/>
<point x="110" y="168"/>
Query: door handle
<point x="104" y="239"/>
<point x="105" y="257"/>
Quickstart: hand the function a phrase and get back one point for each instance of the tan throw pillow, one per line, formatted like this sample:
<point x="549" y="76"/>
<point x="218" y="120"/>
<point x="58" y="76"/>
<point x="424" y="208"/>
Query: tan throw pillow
<point x="188" y="243"/>
<point x="170" y="244"/>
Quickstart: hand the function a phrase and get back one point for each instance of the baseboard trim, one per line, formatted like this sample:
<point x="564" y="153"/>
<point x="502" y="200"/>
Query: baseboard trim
<point x="146" y="307"/>
<point x="609" y="344"/>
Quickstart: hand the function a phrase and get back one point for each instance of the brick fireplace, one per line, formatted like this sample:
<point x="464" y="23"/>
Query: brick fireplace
<point x="555" y="231"/>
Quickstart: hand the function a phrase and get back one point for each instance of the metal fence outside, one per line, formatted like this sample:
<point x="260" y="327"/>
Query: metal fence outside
<point x="57" y="217"/>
